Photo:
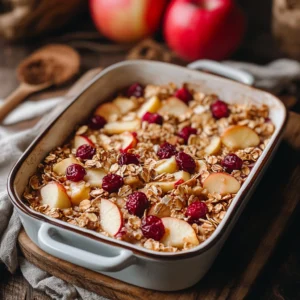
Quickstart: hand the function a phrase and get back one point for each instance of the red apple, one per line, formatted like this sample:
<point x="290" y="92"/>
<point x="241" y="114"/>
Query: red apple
<point x="197" y="29"/>
<point x="126" y="20"/>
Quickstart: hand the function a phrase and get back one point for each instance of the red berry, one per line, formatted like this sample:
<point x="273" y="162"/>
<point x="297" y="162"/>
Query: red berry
<point x="195" y="211"/>
<point x="85" y="151"/>
<point x="153" y="228"/>
<point x="112" y="182"/>
<point x="185" y="132"/>
<point x="184" y="95"/>
<point x="97" y="122"/>
<point x="231" y="162"/>
<point x="75" y="172"/>
<point x="185" y="162"/>
<point x="136" y="90"/>
<point x="137" y="203"/>
<point x="219" y="109"/>
<point x="128" y="158"/>
<point x="153" y="118"/>
<point x="166" y="150"/>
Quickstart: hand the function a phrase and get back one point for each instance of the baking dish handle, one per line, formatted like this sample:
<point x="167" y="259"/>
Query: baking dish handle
<point x="222" y="70"/>
<point x="82" y="257"/>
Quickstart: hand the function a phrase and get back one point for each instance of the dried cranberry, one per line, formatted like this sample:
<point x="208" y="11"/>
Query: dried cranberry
<point x="137" y="203"/>
<point x="153" y="228"/>
<point x="219" y="109"/>
<point x="185" y="132"/>
<point x="153" y="118"/>
<point x="185" y="162"/>
<point x="166" y="150"/>
<point x="231" y="162"/>
<point x="97" y="122"/>
<point x="85" y="151"/>
<point x="184" y="95"/>
<point x="75" y="172"/>
<point x="136" y="90"/>
<point x="195" y="211"/>
<point x="112" y="182"/>
<point x="128" y="158"/>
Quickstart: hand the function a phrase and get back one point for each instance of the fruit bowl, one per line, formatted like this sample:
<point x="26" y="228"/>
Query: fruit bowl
<point x="163" y="271"/>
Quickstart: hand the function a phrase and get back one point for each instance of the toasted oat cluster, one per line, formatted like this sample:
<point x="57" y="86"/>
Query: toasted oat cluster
<point x="156" y="167"/>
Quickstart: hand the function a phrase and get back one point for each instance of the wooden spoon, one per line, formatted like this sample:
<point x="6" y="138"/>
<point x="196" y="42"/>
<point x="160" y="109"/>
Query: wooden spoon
<point x="51" y="65"/>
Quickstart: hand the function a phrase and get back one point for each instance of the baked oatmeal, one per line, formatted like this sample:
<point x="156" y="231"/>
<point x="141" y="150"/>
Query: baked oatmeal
<point x="156" y="167"/>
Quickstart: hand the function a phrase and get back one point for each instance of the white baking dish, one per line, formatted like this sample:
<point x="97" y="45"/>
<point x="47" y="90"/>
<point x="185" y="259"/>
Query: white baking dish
<point x="118" y="259"/>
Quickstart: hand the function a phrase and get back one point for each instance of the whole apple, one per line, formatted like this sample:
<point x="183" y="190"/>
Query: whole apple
<point x="197" y="29"/>
<point x="127" y="20"/>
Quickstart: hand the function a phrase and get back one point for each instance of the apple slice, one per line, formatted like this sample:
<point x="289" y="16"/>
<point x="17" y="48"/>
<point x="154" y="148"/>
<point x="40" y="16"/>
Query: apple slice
<point x="109" y="111"/>
<point x="111" y="218"/>
<point x="182" y="175"/>
<point x="152" y="105"/>
<point x="214" y="146"/>
<point x="55" y="195"/>
<point x="178" y="232"/>
<point x="174" y="106"/>
<point x="125" y="105"/>
<point x="128" y="141"/>
<point x="122" y="126"/>
<point x="78" y="192"/>
<point x="240" y="137"/>
<point x="160" y="210"/>
<point x="61" y="167"/>
<point x="167" y="166"/>
<point x="94" y="177"/>
<point x="167" y="186"/>
<point x="221" y="183"/>
<point x="80" y="140"/>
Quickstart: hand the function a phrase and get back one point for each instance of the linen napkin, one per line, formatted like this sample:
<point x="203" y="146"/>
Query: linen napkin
<point x="273" y="77"/>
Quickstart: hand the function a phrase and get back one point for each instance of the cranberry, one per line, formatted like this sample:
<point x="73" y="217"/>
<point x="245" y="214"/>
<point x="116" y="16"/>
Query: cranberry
<point x="75" y="172"/>
<point x="128" y="158"/>
<point x="112" y="182"/>
<point x="184" y="95"/>
<point x="153" y="228"/>
<point x="97" y="122"/>
<point x="231" y="162"/>
<point x="136" y="90"/>
<point x="219" y="109"/>
<point x="166" y="150"/>
<point x="153" y="118"/>
<point x="85" y="151"/>
<point x="185" y="132"/>
<point x="185" y="162"/>
<point x="137" y="203"/>
<point x="195" y="211"/>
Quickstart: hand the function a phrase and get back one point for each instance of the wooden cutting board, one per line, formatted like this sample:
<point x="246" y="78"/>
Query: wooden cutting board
<point x="244" y="255"/>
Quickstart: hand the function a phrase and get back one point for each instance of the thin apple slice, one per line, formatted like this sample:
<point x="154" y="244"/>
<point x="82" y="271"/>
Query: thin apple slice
<point x="221" y="183"/>
<point x="167" y="186"/>
<point x="182" y="175"/>
<point x="160" y="210"/>
<point x="94" y="177"/>
<point x="122" y="126"/>
<point x="167" y="166"/>
<point x="174" y="106"/>
<point x="214" y="146"/>
<point x="152" y="105"/>
<point x="125" y="105"/>
<point x="128" y="141"/>
<point x="109" y="111"/>
<point x="240" y="137"/>
<point x="111" y="218"/>
<point x="61" y="167"/>
<point x="55" y="195"/>
<point x="79" y="191"/>
<point x="178" y="232"/>
<point x="80" y="140"/>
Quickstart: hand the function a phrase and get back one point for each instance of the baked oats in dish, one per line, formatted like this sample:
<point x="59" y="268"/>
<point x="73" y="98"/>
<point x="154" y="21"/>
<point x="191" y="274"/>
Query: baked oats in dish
<point x="156" y="167"/>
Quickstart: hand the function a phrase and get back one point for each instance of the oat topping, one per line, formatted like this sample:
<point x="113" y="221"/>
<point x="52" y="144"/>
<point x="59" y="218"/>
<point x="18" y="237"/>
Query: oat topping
<point x="170" y="152"/>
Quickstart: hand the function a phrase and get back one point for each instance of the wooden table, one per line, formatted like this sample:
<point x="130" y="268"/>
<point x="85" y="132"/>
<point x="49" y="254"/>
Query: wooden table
<point x="281" y="276"/>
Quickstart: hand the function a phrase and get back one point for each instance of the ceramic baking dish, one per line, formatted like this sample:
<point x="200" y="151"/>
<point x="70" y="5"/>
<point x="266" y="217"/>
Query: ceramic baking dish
<point x="118" y="259"/>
